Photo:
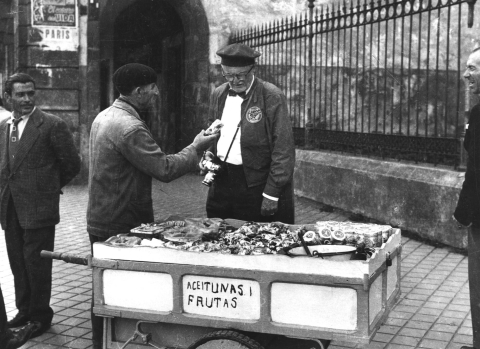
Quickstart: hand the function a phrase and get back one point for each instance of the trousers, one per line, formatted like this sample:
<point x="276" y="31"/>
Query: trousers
<point x="474" y="281"/>
<point x="3" y="322"/>
<point x="32" y="274"/>
<point x="97" y="321"/>
<point x="231" y="197"/>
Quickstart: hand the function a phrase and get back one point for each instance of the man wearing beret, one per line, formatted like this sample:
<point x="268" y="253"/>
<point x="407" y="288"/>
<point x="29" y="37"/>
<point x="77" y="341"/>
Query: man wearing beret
<point x="256" y="144"/>
<point x="123" y="160"/>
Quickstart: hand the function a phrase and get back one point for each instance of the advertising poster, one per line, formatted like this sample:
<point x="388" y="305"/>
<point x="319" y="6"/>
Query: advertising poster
<point x="54" y="25"/>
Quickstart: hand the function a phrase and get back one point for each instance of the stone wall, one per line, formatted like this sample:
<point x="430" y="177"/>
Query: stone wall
<point x="417" y="198"/>
<point x="227" y="16"/>
<point x="374" y="101"/>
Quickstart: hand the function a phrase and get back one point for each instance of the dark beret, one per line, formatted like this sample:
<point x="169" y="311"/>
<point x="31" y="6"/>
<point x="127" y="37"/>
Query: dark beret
<point x="133" y="75"/>
<point x="238" y="55"/>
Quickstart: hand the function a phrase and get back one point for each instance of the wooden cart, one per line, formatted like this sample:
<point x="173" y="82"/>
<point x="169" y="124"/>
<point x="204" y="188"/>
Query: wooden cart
<point x="170" y="298"/>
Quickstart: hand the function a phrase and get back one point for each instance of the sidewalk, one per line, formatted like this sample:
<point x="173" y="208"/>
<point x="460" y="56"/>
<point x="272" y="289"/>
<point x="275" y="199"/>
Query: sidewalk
<point x="433" y="311"/>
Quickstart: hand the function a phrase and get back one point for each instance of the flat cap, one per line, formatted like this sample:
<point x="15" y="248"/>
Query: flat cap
<point x="238" y="55"/>
<point x="132" y="75"/>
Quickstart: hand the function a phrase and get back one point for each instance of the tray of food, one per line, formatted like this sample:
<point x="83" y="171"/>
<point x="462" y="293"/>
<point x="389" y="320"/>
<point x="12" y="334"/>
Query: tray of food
<point x="325" y="239"/>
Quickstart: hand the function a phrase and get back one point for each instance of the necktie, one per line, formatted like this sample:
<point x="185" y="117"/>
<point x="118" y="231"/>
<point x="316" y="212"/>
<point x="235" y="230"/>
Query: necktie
<point x="13" y="144"/>
<point x="233" y="93"/>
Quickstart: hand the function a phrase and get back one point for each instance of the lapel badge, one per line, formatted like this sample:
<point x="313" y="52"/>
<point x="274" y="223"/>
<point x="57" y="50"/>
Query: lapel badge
<point x="254" y="115"/>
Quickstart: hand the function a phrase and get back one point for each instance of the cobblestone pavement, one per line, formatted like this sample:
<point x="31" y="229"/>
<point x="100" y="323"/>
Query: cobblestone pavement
<point x="433" y="311"/>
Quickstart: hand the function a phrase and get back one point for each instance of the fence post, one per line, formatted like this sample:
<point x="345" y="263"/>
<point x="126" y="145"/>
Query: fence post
<point x="471" y="4"/>
<point x="308" y="121"/>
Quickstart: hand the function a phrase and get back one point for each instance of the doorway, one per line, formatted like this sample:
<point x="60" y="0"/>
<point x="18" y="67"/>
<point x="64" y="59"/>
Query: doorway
<point x="151" y="33"/>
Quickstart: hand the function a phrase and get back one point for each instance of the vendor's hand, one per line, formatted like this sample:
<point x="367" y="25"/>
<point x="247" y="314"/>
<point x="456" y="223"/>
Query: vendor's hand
<point x="202" y="142"/>
<point x="269" y="207"/>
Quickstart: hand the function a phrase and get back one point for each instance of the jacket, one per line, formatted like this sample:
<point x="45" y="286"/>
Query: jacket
<point x="468" y="206"/>
<point x="266" y="142"/>
<point x="123" y="160"/>
<point x="46" y="160"/>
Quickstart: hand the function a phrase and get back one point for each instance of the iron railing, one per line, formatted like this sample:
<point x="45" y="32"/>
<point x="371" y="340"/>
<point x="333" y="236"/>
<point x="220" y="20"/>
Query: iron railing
<point x="372" y="77"/>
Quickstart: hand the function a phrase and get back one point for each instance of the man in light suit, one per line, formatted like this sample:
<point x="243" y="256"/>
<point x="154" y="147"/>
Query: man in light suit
<point x="37" y="158"/>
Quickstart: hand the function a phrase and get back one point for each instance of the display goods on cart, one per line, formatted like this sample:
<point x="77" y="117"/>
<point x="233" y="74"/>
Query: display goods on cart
<point x="209" y="283"/>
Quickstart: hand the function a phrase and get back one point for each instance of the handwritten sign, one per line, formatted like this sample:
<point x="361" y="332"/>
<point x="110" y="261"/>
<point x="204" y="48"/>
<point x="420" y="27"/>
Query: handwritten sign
<point x="221" y="297"/>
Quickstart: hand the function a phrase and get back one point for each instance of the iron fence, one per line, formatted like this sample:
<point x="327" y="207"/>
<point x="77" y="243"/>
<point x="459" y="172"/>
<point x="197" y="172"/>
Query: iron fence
<point x="372" y="77"/>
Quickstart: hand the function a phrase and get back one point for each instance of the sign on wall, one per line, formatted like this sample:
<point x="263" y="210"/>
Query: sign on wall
<point x="54" y="25"/>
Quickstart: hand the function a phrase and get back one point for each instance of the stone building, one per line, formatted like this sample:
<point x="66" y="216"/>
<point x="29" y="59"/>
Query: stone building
<point x="72" y="48"/>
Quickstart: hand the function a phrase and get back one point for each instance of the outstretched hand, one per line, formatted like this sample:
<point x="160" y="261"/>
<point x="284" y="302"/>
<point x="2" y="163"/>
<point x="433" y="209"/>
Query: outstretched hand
<point x="202" y="142"/>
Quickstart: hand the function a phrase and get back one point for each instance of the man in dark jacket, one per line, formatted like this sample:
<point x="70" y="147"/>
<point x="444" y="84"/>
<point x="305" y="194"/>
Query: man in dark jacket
<point x="467" y="212"/>
<point x="256" y="144"/>
<point x="123" y="160"/>
<point x="37" y="159"/>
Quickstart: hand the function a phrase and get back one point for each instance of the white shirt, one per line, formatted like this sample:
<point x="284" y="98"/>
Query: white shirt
<point x="4" y="113"/>
<point x="231" y="117"/>
<point x="21" y="125"/>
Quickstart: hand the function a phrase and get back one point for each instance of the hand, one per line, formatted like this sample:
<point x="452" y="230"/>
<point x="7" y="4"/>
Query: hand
<point x="202" y="142"/>
<point x="269" y="207"/>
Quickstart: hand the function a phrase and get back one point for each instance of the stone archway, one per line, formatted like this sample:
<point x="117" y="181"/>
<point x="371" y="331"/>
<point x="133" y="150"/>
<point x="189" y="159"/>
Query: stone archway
<point x="193" y="78"/>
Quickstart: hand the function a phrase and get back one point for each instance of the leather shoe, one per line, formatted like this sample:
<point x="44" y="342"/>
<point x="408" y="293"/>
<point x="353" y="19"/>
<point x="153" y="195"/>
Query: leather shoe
<point x="465" y="347"/>
<point x="19" y="336"/>
<point x="19" y="320"/>
<point x="39" y="328"/>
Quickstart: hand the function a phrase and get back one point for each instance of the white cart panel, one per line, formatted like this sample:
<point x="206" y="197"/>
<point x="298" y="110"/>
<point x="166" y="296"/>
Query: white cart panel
<point x="138" y="290"/>
<point x="309" y="305"/>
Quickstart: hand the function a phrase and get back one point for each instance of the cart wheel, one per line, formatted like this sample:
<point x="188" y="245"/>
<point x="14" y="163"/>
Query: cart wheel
<point x="319" y="344"/>
<point x="225" y="340"/>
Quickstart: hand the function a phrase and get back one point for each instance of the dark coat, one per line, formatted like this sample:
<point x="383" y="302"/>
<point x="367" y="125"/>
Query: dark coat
<point x="123" y="160"/>
<point x="46" y="160"/>
<point x="267" y="146"/>
<point x="468" y="206"/>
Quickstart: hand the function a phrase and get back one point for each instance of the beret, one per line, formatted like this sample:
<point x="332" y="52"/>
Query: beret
<point x="132" y="75"/>
<point x="238" y="55"/>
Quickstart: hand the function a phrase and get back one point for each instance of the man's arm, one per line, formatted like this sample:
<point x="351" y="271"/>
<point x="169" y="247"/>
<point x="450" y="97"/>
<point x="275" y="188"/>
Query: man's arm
<point x="140" y="149"/>
<point x="283" y="152"/>
<point x="283" y="147"/>
<point x="65" y="152"/>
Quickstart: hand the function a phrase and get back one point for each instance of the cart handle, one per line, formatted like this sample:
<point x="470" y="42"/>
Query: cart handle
<point x="67" y="257"/>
